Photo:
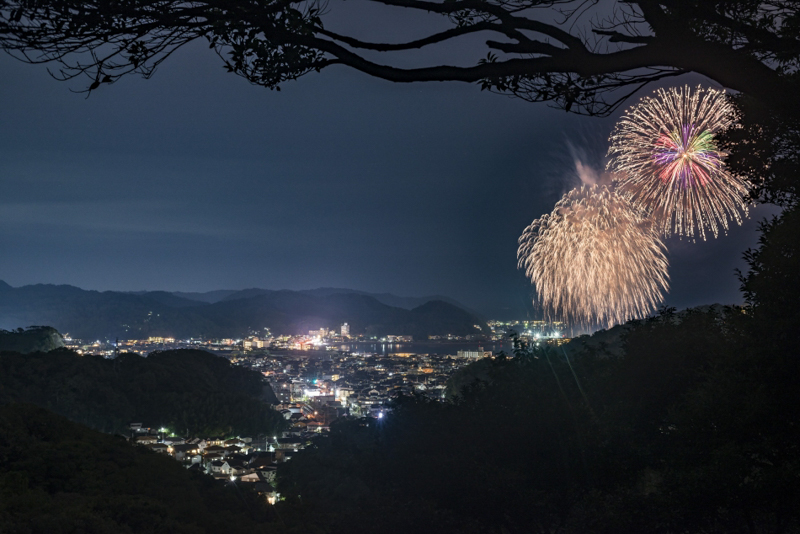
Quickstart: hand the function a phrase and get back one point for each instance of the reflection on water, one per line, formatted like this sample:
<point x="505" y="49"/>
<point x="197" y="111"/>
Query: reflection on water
<point x="441" y="349"/>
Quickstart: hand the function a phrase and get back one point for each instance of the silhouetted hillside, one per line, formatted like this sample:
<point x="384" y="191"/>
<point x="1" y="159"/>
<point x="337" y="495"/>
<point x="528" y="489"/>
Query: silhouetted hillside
<point x="106" y="315"/>
<point x="60" y="477"/>
<point x="94" y="314"/>
<point x="444" y="317"/>
<point x="389" y="299"/>
<point x="297" y="313"/>
<point x="31" y="339"/>
<point x="409" y="303"/>
<point x="693" y="427"/>
<point x="208" y="297"/>
<point x="169" y="299"/>
<point x="248" y="293"/>
<point x="190" y="392"/>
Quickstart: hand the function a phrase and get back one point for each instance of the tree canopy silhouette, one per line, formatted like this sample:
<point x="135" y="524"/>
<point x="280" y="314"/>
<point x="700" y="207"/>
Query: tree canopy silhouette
<point x="692" y="428"/>
<point x="585" y="56"/>
<point x="191" y="392"/>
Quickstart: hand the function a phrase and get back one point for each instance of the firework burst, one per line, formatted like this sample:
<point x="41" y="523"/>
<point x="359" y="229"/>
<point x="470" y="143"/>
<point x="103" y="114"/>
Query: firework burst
<point x="665" y="157"/>
<point x="595" y="260"/>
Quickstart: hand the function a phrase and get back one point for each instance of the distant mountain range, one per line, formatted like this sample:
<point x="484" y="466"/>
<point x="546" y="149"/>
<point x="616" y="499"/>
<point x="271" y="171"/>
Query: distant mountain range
<point x="389" y="299"/>
<point x="110" y="314"/>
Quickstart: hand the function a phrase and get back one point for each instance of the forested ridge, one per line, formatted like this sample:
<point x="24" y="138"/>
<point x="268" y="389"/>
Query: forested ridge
<point x="190" y="392"/>
<point x="31" y="339"/>
<point x="59" y="477"/>
<point x="695" y="429"/>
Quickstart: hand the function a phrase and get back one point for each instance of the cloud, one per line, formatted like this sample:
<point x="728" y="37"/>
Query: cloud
<point x="154" y="217"/>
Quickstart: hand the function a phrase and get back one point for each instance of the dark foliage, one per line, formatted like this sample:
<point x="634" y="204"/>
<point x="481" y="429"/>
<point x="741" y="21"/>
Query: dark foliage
<point x="764" y="149"/>
<point x="469" y="375"/>
<point x="695" y="429"/>
<point x="563" y="51"/>
<point x="189" y="392"/>
<point x="31" y="339"/>
<point x="58" y="477"/>
<point x="772" y="285"/>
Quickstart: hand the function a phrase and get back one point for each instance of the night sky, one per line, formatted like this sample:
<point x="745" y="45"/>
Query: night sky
<point x="196" y="180"/>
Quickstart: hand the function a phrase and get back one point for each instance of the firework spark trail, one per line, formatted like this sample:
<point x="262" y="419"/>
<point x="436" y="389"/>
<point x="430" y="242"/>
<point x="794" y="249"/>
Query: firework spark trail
<point x="665" y="157"/>
<point x="595" y="260"/>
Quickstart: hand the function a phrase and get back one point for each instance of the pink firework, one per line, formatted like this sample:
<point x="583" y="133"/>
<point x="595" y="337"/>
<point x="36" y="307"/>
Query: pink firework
<point x="665" y="157"/>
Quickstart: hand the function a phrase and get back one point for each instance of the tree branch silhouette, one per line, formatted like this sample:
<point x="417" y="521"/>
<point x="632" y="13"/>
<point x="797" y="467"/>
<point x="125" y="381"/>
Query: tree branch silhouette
<point x="571" y="53"/>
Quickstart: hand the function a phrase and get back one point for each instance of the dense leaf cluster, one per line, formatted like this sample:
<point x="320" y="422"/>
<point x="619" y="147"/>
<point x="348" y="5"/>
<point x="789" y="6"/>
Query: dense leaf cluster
<point x="585" y="57"/>
<point x="772" y="286"/>
<point x="189" y="392"/>
<point x="764" y="148"/>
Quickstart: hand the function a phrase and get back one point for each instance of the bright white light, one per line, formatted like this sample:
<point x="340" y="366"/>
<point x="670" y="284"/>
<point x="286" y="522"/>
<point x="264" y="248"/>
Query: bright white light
<point x="380" y="415"/>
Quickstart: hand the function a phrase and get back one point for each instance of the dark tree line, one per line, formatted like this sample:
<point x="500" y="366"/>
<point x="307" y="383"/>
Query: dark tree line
<point x="694" y="429"/>
<point x="58" y="477"/>
<point x="189" y="392"/>
<point x="31" y="339"/>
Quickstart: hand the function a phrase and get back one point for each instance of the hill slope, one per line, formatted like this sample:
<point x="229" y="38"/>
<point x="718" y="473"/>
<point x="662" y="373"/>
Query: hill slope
<point x="60" y="477"/>
<point x="106" y="315"/>
<point x="190" y="392"/>
<point x="395" y="301"/>
<point x="31" y="339"/>
<point x="693" y="427"/>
